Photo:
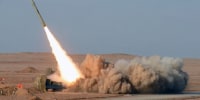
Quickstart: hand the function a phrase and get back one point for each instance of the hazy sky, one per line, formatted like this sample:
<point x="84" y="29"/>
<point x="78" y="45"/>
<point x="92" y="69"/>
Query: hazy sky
<point x="141" y="27"/>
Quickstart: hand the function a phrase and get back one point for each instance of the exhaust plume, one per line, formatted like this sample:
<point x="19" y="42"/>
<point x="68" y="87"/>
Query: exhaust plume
<point x="69" y="72"/>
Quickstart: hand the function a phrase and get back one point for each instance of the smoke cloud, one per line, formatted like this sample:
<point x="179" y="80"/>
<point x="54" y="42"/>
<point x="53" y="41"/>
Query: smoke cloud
<point x="153" y="74"/>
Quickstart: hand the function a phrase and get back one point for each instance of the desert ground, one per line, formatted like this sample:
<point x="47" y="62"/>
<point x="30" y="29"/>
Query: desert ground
<point x="23" y="68"/>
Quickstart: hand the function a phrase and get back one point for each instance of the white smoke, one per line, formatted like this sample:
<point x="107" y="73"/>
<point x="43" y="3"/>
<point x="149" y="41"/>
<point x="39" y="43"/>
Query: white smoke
<point x="153" y="74"/>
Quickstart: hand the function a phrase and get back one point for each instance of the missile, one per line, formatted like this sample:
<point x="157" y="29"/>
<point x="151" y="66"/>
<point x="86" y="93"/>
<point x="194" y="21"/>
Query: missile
<point x="38" y="13"/>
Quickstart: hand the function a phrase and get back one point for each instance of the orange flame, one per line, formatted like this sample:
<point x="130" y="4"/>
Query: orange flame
<point x="68" y="70"/>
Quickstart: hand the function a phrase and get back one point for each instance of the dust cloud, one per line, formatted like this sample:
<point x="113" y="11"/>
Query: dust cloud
<point x="153" y="74"/>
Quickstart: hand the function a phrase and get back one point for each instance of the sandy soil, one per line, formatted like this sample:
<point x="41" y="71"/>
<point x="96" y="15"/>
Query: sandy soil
<point x="15" y="68"/>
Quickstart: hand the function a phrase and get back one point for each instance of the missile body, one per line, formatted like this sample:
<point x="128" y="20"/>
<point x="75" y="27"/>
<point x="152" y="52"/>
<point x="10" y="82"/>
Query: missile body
<point x="38" y="13"/>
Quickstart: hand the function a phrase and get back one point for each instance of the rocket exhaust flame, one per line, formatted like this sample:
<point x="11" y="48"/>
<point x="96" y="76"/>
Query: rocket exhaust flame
<point x="68" y="70"/>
